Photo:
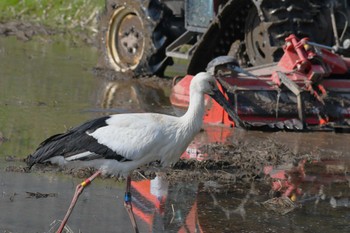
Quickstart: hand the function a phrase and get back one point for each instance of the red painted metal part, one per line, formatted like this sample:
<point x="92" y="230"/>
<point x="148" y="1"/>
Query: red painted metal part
<point x="316" y="71"/>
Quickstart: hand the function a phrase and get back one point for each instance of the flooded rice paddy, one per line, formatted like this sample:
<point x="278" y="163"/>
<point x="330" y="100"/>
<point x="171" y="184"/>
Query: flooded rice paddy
<point x="237" y="183"/>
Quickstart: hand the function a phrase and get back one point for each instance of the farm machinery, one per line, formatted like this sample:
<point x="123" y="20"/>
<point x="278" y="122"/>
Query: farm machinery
<point x="308" y="89"/>
<point x="281" y="64"/>
<point x="141" y="37"/>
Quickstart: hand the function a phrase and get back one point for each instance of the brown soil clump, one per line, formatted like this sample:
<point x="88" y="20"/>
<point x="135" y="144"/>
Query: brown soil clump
<point x="23" y="30"/>
<point x="241" y="161"/>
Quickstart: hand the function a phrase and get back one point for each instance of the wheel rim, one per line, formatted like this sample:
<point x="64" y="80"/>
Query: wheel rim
<point x="125" y="43"/>
<point x="258" y="43"/>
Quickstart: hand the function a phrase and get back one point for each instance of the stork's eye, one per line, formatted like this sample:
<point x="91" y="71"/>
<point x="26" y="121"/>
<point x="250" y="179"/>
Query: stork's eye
<point x="212" y="84"/>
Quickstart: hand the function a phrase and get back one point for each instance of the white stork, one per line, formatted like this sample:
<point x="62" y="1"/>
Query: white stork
<point x="120" y="143"/>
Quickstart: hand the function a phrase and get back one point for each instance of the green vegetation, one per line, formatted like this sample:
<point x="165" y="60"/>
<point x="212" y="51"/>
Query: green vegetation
<point x="65" y="14"/>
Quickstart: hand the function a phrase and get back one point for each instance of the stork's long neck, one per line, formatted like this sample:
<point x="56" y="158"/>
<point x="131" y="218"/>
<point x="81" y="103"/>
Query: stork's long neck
<point x="193" y="118"/>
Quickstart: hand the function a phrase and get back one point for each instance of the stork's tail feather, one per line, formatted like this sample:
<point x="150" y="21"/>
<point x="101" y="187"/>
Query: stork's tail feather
<point x="30" y="161"/>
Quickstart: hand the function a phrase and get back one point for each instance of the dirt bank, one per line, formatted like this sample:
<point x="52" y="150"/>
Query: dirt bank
<point x="24" y="30"/>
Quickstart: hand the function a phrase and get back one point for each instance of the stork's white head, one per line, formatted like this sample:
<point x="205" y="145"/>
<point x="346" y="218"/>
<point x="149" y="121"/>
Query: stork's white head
<point x="205" y="83"/>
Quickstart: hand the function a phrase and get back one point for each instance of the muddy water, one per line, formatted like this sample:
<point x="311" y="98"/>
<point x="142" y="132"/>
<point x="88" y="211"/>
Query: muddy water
<point x="47" y="87"/>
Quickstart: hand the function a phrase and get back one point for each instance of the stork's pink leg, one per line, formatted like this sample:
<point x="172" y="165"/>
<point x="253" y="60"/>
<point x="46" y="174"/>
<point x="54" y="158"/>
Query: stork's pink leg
<point x="78" y="190"/>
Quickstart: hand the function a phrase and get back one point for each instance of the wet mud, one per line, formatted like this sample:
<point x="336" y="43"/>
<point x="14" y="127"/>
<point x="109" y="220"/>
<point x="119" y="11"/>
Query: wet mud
<point x="242" y="160"/>
<point x="24" y="31"/>
<point x="238" y="162"/>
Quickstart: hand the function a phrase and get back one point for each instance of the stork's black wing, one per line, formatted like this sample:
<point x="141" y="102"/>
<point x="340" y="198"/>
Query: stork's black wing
<point x="73" y="142"/>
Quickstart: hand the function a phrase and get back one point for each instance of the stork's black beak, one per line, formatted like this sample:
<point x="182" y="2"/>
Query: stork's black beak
<point x="220" y="99"/>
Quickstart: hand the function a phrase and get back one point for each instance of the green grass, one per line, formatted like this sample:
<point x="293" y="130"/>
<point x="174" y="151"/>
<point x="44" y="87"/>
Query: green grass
<point x="67" y="14"/>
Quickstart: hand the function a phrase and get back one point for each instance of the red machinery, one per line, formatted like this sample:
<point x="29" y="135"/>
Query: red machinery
<point x="309" y="88"/>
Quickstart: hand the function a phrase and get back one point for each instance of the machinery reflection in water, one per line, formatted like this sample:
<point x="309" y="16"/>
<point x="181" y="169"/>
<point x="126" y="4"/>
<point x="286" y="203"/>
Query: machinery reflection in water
<point x="325" y="180"/>
<point x="311" y="187"/>
<point x="165" y="208"/>
<point x="288" y="194"/>
<point x="133" y="95"/>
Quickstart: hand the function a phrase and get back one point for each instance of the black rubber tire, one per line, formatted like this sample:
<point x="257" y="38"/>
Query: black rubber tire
<point x="227" y="27"/>
<point x="133" y="37"/>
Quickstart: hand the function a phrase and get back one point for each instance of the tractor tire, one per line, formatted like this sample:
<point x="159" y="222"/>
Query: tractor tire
<point x="264" y="39"/>
<point x="133" y="37"/>
<point x="225" y="36"/>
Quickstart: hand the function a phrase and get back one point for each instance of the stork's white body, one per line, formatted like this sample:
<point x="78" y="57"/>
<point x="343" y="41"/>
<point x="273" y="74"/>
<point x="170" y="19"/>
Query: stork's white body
<point x="144" y="138"/>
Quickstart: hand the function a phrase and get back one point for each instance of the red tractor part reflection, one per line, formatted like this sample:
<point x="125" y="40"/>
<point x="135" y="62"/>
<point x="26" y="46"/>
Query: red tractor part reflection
<point x="287" y="182"/>
<point x="161" y="212"/>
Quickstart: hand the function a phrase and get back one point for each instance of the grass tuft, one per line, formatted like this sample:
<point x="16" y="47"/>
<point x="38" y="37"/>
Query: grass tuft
<point x="64" y="14"/>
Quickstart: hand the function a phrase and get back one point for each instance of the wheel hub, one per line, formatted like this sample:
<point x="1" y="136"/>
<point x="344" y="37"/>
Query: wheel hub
<point x="125" y="40"/>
